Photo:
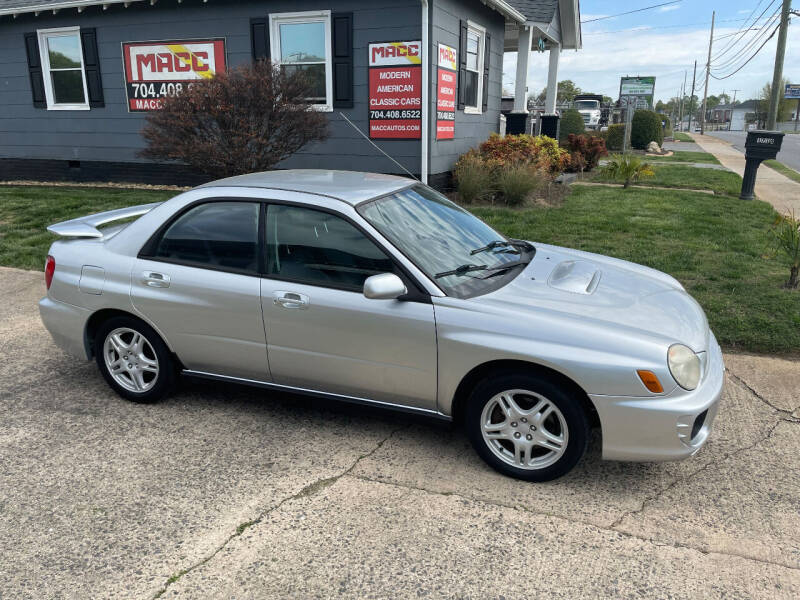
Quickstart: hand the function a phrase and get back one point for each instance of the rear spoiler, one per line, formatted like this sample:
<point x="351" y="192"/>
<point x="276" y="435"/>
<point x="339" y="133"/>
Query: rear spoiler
<point x="86" y="227"/>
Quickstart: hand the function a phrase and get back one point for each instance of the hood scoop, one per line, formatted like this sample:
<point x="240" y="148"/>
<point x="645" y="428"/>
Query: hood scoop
<point x="575" y="276"/>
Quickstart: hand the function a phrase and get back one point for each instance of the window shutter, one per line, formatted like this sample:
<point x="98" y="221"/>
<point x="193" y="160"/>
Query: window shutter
<point x="259" y="39"/>
<point x="91" y="67"/>
<point x="487" y="59"/>
<point x="462" y="65"/>
<point x="35" y="70"/>
<point x="342" y="53"/>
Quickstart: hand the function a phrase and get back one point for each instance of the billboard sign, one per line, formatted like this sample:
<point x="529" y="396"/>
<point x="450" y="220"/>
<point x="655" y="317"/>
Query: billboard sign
<point x="792" y="91"/>
<point x="157" y="70"/>
<point x="637" y="92"/>
<point x="395" y="90"/>
<point x="446" y="93"/>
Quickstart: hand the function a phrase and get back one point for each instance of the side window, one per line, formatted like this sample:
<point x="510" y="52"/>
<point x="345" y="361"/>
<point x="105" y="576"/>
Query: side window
<point x="216" y="234"/>
<point x="319" y="248"/>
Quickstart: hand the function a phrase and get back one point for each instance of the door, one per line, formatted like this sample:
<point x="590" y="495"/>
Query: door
<point x="199" y="285"/>
<point x="322" y="333"/>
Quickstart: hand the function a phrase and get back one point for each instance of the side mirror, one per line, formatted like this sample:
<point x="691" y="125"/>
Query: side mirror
<point x="386" y="286"/>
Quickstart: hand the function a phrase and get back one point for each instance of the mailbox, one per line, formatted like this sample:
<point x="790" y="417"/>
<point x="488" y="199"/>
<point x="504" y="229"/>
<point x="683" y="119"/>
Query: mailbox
<point x="759" y="146"/>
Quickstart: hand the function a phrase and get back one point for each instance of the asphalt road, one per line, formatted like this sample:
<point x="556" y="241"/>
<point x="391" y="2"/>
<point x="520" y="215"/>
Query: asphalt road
<point x="223" y="492"/>
<point x="790" y="148"/>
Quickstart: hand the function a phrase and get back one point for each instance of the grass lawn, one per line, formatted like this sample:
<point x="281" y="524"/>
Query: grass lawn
<point x="25" y="212"/>
<point x="684" y="156"/>
<point x="684" y="176"/>
<point x="715" y="245"/>
<point x="681" y="137"/>
<point x="783" y="169"/>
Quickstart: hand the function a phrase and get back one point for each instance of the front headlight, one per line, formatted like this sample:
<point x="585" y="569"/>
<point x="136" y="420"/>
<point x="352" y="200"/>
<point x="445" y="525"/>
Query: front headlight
<point x="684" y="365"/>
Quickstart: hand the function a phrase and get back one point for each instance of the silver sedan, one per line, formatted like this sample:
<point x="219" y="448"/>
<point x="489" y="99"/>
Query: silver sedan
<point x="376" y="289"/>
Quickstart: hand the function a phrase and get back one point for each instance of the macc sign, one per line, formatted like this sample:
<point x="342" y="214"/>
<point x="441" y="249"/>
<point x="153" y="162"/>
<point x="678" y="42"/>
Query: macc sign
<point x="157" y="70"/>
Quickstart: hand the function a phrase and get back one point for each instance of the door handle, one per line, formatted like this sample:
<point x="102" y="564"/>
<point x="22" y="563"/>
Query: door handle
<point x="290" y="300"/>
<point x="154" y="279"/>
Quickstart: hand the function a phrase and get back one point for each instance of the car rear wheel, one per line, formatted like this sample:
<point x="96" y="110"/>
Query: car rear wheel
<point x="527" y="426"/>
<point x="134" y="360"/>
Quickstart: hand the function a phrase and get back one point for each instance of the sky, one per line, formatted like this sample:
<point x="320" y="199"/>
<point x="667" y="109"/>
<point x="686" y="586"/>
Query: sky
<point x="664" y="42"/>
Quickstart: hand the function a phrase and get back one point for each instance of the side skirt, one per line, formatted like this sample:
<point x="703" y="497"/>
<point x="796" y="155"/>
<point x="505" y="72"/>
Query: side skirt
<point x="432" y="414"/>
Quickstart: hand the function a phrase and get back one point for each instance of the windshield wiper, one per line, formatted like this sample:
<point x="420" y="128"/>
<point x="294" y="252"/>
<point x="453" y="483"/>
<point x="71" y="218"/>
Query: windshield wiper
<point x="461" y="270"/>
<point x="491" y="272"/>
<point x="519" y="244"/>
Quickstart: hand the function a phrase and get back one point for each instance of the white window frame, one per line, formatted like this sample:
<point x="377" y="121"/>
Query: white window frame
<point x="44" y="56"/>
<point x="480" y="31"/>
<point x="313" y="16"/>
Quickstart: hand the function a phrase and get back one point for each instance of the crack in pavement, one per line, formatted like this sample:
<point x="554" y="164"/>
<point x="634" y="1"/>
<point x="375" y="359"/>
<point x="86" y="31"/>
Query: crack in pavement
<point x="613" y="528"/>
<point x="755" y="393"/>
<point x="307" y="491"/>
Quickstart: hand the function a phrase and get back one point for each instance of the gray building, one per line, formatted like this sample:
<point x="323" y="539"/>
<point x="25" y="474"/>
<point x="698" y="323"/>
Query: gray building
<point x="78" y="77"/>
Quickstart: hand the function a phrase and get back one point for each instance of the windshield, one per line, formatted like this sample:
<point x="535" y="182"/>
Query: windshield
<point x="441" y="237"/>
<point x="586" y="105"/>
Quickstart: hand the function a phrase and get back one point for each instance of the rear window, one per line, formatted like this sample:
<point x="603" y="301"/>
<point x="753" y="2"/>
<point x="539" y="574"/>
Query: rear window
<point x="216" y="234"/>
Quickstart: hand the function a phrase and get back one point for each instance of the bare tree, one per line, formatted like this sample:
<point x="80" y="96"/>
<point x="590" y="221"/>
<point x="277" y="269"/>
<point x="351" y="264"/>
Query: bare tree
<point x="242" y="121"/>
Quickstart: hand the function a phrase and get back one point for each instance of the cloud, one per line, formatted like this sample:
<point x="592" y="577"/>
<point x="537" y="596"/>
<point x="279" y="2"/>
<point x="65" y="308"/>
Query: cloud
<point x="669" y="8"/>
<point x="664" y="54"/>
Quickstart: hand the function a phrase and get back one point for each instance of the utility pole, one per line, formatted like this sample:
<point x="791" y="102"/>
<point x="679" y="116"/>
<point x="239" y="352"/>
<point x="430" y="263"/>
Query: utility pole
<point x="708" y="73"/>
<point x="777" y="76"/>
<point x="691" y="98"/>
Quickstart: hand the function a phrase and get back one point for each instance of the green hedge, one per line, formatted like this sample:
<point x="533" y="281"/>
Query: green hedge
<point x="645" y="128"/>
<point x="615" y="136"/>
<point x="571" y="122"/>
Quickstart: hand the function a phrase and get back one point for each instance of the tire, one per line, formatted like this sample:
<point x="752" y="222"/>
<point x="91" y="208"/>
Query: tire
<point x="145" y="371"/>
<point x="522" y="439"/>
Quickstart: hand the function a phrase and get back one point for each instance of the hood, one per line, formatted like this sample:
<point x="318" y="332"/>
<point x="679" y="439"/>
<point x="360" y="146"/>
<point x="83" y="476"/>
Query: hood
<point x="610" y="292"/>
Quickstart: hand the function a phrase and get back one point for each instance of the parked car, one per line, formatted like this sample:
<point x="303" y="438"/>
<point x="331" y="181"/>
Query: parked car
<point x="378" y="290"/>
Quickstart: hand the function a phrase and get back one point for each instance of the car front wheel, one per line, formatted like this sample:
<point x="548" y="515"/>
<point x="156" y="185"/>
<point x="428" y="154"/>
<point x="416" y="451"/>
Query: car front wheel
<point x="527" y="426"/>
<point x="134" y="360"/>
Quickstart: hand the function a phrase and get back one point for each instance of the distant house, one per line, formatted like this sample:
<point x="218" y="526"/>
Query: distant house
<point x="738" y="116"/>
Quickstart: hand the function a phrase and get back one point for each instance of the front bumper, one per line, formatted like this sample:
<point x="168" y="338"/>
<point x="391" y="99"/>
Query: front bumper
<point x="67" y="324"/>
<point x="662" y="428"/>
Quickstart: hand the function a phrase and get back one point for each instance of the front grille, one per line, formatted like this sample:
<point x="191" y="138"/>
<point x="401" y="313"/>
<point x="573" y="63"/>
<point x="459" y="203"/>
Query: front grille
<point x="698" y="424"/>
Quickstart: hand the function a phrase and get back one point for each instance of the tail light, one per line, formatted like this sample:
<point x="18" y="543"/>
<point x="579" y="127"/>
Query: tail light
<point x="49" y="270"/>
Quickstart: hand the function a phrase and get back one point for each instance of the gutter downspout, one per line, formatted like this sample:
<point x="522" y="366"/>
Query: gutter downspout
<point x="423" y="171"/>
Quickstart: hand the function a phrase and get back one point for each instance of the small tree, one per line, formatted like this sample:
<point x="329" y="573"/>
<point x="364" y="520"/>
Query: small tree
<point x="786" y="238"/>
<point x="626" y="168"/>
<point x="645" y="128"/>
<point x="242" y="121"/>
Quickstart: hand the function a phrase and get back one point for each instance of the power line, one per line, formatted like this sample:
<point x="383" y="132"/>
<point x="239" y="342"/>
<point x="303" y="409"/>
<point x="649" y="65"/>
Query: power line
<point x="749" y="59"/>
<point x="650" y="27"/>
<point x="764" y="30"/>
<point x="630" y="12"/>
<point x="725" y="48"/>
<point x="733" y="43"/>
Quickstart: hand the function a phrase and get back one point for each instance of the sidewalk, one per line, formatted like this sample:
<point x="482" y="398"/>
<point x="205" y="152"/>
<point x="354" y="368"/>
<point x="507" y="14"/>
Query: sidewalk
<point x="780" y="191"/>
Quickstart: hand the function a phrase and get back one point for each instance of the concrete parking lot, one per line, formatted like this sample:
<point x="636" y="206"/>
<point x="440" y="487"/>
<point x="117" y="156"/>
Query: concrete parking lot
<point x="232" y="492"/>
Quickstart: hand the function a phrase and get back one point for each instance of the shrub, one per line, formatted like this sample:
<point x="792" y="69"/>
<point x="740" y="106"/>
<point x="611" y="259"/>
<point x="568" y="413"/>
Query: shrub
<point x="646" y="128"/>
<point x="615" y="136"/>
<point x="626" y="168"/>
<point x="585" y="152"/>
<point x="245" y="120"/>
<point x="541" y="151"/>
<point x="473" y="177"/>
<point x="571" y="123"/>
<point x="517" y="183"/>
<point x="786" y="237"/>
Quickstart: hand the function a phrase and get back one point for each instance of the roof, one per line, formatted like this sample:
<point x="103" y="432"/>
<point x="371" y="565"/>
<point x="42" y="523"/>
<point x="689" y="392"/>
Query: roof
<point x="539" y="11"/>
<point x="349" y="186"/>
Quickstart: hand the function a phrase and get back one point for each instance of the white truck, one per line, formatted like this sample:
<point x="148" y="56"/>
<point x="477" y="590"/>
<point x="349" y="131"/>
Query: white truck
<point x="591" y="108"/>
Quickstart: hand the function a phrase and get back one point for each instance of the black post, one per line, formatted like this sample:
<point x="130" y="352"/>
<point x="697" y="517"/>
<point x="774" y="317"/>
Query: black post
<point x="749" y="179"/>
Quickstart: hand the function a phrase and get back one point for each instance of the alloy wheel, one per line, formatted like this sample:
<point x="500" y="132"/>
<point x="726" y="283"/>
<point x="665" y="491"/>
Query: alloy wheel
<point x="130" y="359"/>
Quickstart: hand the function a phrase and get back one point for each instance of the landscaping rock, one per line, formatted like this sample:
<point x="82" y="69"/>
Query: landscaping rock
<point x="653" y="148"/>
